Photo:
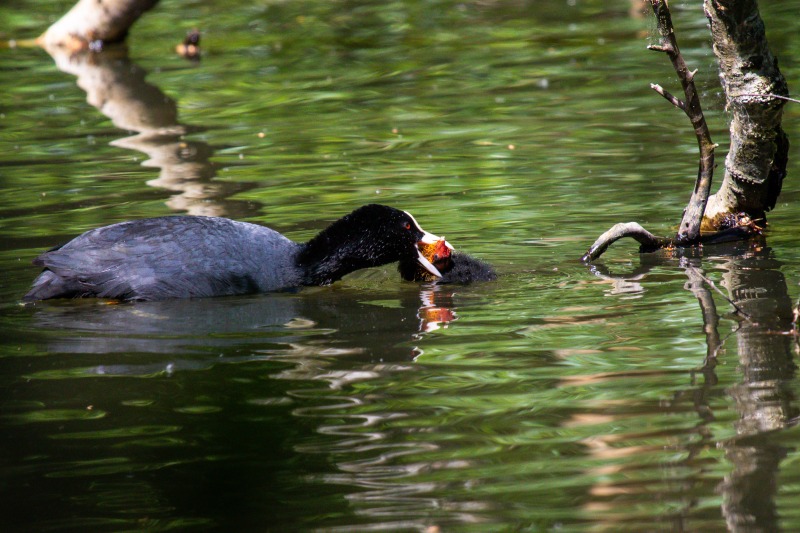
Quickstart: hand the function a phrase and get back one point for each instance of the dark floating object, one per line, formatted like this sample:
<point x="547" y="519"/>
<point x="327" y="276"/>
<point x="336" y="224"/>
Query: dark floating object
<point x="190" y="47"/>
<point x="467" y="269"/>
<point x="455" y="267"/>
<point x="192" y="256"/>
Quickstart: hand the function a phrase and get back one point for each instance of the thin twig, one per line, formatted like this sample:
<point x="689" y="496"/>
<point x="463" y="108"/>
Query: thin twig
<point x="689" y="229"/>
<point x="680" y="104"/>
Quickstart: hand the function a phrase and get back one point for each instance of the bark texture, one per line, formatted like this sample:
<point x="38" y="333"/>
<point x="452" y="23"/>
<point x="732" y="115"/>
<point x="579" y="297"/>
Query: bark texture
<point x="94" y="21"/>
<point x="756" y="163"/>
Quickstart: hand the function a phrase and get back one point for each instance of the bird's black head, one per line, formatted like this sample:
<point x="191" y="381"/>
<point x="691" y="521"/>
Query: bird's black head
<point x="372" y="235"/>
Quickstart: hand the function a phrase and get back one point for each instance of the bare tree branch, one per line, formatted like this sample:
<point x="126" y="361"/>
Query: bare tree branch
<point x="694" y="274"/>
<point x="680" y="104"/>
<point x="733" y="226"/>
<point x="648" y="242"/>
<point x="689" y="229"/>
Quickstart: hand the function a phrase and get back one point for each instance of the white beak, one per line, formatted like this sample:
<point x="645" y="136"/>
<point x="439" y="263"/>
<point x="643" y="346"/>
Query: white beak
<point x="427" y="265"/>
<point x="429" y="238"/>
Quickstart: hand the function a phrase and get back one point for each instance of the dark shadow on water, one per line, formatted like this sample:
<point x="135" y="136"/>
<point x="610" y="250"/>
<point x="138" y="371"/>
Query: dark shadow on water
<point x="196" y="406"/>
<point x="759" y="302"/>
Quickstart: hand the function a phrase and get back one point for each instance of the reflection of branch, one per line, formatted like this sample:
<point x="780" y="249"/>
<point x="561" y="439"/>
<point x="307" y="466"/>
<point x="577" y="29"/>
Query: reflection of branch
<point x="764" y="400"/>
<point x="79" y="44"/>
<point x="118" y="89"/>
<point x="709" y="309"/>
<point x="694" y="273"/>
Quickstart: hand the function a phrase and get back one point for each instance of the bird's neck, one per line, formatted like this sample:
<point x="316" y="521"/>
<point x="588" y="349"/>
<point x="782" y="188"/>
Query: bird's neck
<point x="331" y="255"/>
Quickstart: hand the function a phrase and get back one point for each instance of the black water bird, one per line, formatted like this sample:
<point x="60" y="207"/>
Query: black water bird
<point x="193" y="256"/>
<point x="455" y="267"/>
<point x="464" y="268"/>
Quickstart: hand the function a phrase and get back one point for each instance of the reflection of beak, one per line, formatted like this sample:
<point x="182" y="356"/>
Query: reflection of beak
<point x="429" y="239"/>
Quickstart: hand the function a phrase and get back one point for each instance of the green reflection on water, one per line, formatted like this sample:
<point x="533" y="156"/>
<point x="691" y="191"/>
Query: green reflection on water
<point x="554" y="398"/>
<point x="58" y="415"/>
<point x="117" y="433"/>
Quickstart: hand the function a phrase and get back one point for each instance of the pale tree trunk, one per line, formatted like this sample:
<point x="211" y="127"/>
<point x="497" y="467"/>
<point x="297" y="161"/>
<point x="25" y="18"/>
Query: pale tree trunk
<point x="756" y="162"/>
<point x="94" y="21"/>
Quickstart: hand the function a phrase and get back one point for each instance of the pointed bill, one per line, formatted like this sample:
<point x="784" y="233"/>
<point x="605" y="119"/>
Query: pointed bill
<point x="427" y="265"/>
<point x="428" y="239"/>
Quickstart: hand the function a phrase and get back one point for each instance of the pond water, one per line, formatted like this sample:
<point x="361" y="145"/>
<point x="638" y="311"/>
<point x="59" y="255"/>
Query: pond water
<point x="624" y="396"/>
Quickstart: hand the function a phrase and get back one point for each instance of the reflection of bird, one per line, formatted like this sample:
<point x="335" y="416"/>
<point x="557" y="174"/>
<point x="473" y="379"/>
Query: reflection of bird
<point x="186" y="256"/>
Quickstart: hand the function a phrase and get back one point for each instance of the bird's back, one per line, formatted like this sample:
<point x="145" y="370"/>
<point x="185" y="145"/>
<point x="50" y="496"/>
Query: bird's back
<point x="168" y="257"/>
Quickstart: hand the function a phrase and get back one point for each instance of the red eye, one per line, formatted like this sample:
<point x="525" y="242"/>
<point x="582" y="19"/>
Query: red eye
<point x="408" y="225"/>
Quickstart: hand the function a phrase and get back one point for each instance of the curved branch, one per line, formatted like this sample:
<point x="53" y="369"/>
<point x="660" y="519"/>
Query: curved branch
<point x="648" y="242"/>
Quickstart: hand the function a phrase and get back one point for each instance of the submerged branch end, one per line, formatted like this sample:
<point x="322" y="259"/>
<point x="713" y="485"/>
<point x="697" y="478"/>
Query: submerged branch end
<point x="648" y="242"/>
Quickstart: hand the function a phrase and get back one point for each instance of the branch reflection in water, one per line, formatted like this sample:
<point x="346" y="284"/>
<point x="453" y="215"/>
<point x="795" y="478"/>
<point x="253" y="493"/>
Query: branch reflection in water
<point x="116" y="86"/>
<point x="759" y="301"/>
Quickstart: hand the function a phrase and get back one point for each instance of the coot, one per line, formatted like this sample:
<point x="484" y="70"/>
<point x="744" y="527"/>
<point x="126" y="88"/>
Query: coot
<point x="454" y="267"/>
<point x="193" y="256"/>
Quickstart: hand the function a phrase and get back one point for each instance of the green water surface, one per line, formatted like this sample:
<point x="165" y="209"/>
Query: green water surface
<point x="559" y="397"/>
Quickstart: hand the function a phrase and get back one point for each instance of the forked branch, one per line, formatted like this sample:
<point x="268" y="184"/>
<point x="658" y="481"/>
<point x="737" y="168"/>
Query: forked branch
<point x="689" y="231"/>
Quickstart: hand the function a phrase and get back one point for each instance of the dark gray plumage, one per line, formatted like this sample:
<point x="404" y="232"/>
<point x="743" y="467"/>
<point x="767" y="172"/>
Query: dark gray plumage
<point x="189" y="256"/>
<point x="467" y="269"/>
